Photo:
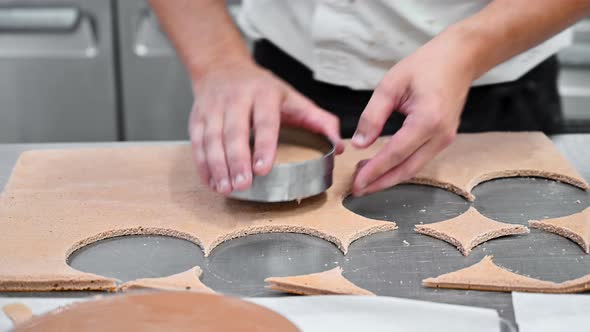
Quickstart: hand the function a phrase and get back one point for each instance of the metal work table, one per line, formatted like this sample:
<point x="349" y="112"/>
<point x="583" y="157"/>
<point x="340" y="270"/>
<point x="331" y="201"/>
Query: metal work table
<point x="390" y="264"/>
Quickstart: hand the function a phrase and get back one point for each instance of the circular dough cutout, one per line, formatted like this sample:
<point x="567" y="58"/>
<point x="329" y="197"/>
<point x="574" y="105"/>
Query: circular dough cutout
<point x="162" y="311"/>
<point x="293" y="153"/>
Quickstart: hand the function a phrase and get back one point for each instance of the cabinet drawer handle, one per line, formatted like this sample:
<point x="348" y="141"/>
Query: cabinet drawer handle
<point x="39" y="19"/>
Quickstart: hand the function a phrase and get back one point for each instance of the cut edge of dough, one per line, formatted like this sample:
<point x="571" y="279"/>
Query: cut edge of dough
<point x="424" y="229"/>
<point x="576" y="182"/>
<point x="508" y="231"/>
<point x="342" y="245"/>
<point x="561" y="231"/>
<point x="140" y="230"/>
<point x="289" y="284"/>
<point x="442" y="185"/>
<point x="466" y="192"/>
<point x="145" y="283"/>
<point x="578" y="285"/>
<point x="58" y="284"/>
<point x="310" y="291"/>
<point x="466" y="250"/>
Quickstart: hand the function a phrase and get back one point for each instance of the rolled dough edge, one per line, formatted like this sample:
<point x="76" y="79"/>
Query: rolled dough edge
<point x="578" y="285"/>
<point x="342" y="244"/>
<point x="466" y="192"/>
<point x="561" y="231"/>
<point x="58" y="284"/>
<point x="467" y="286"/>
<point x="576" y="182"/>
<point x="308" y="290"/>
<point x="443" y="185"/>
<point x="466" y="250"/>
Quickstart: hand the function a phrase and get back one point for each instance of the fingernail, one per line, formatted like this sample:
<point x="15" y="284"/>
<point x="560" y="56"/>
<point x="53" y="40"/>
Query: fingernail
<point x="359" y="139"/>
<point x="259" y="163"/>
<point x="223" y="185"/>
<point x="239" y="179"/>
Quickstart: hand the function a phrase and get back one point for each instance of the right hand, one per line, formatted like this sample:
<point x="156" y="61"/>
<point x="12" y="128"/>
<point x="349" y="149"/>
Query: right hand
<point x="231" y="100"/>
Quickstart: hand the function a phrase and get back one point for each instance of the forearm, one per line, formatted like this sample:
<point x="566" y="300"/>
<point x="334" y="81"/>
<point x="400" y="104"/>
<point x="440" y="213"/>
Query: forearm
<point x="202" y="32"/>
<point x="506" y="28"/>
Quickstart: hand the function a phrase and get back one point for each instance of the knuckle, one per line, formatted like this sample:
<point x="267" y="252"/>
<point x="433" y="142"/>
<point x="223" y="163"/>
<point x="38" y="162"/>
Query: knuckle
<point x="211" y="136"/>
<point x="231" y="133"/>
<point x="215" y="163"/>
<point x="262" y="86"/>
<point x="266" y="126"/>
<point x="196" y="108"/>
<point x="262" y="144"/>
<point x="263" y="148"/>
<point x="202" y="165"/>
<point x="200" y="158"/>
<point x="231" y="98"/>
<point x="333" y="119"/>
<point x="197" y="141"/>
<point x="434" y="121"/>
<point x="235" y="157"/>
<point x="448" y="138"/>
<point x="369" y="120"/>
<point x="394" y="156"/>
<point x="236" y="151"/>
<point x="385" y="87"/>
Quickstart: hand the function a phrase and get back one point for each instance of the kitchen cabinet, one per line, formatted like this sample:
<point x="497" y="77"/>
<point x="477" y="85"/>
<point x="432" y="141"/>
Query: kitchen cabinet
<point x="57" y="71"/>
<point x="574" y="80"/>
<point x="156" y="91"/>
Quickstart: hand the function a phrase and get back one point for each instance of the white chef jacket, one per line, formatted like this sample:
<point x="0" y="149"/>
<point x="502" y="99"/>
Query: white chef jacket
<point x="355" y="42"/>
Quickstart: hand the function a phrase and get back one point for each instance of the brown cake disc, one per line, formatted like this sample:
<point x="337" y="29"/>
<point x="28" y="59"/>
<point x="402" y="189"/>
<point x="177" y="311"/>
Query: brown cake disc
<point x="162" y="311"/>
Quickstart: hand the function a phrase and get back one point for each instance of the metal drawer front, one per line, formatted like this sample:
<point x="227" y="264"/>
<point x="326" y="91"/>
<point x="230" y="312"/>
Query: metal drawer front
<point x="157" y="95"/>
<point x="57" y="81"/>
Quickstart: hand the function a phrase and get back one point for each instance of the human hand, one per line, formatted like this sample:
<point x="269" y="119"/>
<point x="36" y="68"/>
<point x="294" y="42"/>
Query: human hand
<point x="429" y="87"/>
<point x="231" y="100"/>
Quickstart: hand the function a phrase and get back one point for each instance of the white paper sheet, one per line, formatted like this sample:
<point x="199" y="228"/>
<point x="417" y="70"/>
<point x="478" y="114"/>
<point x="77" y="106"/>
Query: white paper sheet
<point x="356" y="313"/>
<point x="340" y="313"/>
<point x="551" y="312"/>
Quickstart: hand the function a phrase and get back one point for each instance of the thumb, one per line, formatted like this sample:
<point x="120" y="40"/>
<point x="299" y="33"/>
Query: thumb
<point x="298" y="111"/>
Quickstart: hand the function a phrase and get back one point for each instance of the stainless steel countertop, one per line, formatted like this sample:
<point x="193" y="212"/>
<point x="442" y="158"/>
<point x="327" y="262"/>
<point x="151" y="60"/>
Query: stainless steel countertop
<point x="382" y="263"/>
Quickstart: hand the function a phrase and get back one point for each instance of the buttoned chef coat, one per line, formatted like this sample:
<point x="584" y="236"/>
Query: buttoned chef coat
<point x="355" y="42"/>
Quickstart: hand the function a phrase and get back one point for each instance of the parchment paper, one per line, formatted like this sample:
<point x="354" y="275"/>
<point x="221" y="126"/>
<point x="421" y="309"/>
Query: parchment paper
<point x="551" y="312"/>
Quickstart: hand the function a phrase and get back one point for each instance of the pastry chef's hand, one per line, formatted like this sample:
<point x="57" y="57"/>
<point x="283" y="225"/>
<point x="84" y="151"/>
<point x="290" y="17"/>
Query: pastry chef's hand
<point x="429" y="87"/>
<point x="234" y="98"/>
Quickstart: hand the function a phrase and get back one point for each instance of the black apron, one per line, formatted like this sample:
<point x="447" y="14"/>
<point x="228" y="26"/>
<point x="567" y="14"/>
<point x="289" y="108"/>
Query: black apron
<point x="530" y="103"/>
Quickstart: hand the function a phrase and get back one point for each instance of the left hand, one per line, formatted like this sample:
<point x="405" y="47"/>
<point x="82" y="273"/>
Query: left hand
<point x="429" y="87"/>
